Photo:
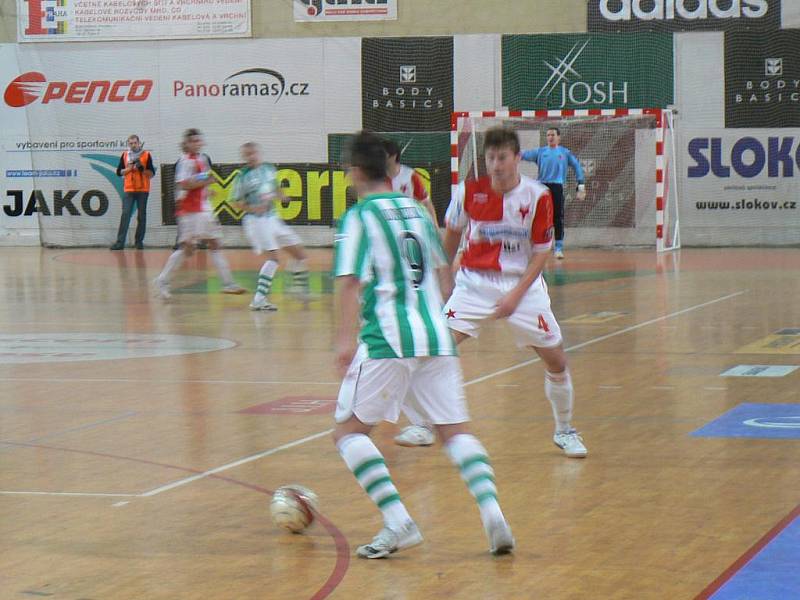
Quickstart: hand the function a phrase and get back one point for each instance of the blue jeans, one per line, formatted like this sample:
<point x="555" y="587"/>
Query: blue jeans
<point x="139" y="199"/>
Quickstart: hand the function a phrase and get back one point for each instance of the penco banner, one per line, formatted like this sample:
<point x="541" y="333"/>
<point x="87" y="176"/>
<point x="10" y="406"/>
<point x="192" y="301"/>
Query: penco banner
<point x="324" y="11"/>
<point x="97" y="20"/>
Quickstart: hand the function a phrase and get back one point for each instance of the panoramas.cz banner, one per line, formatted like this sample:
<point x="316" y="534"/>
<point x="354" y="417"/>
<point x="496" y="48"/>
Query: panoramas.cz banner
<point x="96" y="20"/>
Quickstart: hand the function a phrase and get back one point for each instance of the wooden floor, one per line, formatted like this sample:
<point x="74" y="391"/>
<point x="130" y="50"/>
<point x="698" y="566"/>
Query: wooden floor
<point x="134" y="465"/>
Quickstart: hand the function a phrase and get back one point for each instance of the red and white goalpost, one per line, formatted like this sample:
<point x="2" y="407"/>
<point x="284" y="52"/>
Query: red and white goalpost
<point x="628" y="158"/>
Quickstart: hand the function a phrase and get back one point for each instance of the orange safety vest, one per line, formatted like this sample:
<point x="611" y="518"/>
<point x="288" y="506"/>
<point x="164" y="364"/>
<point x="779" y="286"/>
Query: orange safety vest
<point x="136" y="180"/>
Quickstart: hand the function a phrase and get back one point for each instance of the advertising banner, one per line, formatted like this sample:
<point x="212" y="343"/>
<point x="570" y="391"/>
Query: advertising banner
<point x="317" y="194"/>
<point x="324" y="11"/>
<point x="557" y="71"/>
<point x="683" y="15"/>
<point x="96" y="20"/>
<point x="762" y="79"/>
<point x="741" y="178"/>
<point x="407" y="83"/>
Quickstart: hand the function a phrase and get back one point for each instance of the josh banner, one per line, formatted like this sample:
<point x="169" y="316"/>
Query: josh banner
<point x="407" y="83"/>
<point x="742" y="178"/>
<point x="683" y="15"/>
<point x="95" y="20"/>
<point x="587" y="71"/>
<point x="323" y="11"/>
<point x="762" y="79"/>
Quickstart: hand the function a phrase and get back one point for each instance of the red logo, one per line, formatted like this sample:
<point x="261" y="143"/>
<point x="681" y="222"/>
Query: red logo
<point x="524" y="210"/>
<point x="29" y="87"/>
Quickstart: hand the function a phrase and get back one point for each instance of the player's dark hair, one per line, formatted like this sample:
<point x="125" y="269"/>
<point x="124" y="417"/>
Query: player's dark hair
<point x="367" y="152"/>
<point x="556" y="129"/>
<point x="500" y="137"/>
<point x="191" y="132"/>
<point x="391" y="147"/>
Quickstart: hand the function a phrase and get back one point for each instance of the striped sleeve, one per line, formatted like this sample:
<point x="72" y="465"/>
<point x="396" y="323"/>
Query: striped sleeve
<point x="351" y="255"/>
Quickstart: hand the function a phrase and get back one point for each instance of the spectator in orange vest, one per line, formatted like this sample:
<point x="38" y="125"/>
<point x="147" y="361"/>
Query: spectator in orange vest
<point x="136" y="166"/>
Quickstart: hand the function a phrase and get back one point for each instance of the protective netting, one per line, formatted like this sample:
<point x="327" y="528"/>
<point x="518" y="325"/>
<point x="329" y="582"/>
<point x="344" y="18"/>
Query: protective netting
<point x="618" y="154"/>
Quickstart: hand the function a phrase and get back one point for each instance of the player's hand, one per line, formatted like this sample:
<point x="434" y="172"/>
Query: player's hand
<point x="345" y="351"/>
<point x="580" y="196"/>
<point x="507" y="305"/>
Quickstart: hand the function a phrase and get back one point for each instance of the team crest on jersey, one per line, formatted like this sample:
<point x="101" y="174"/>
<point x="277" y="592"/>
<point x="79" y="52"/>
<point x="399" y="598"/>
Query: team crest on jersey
<point x="480" y="198"/>
<point x="524" y="210"/>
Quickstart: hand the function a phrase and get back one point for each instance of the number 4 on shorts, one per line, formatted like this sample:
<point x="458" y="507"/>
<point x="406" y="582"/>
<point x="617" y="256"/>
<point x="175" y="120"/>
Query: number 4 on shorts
<point x="543" y="324"/>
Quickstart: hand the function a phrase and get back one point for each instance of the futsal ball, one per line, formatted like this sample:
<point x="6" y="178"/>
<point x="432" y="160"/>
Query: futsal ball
<point x="293" y="507"/>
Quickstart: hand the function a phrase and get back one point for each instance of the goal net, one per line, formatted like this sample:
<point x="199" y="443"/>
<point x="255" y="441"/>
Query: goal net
<point x="628" y="159"/>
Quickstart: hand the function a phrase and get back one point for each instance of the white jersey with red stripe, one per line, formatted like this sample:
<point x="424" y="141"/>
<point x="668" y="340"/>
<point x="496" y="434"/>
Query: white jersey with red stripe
<point x="503" y="231"/>
<point x="409" y="183"/>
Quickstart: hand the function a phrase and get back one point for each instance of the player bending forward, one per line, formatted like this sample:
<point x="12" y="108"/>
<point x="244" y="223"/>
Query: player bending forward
<point x="388" y="259"/>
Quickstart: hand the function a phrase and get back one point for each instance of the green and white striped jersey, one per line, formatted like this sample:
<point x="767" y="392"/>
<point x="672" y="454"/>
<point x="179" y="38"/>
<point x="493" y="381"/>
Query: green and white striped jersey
<point x="391" y="245"/>
<point x="252" y="183"/>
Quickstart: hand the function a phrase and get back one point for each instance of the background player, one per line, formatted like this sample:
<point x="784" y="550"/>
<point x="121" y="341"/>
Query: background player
<point x="255" y="191"/>
<point x="388" y="261"/>
<point x="405" y="179"/>
<point x="196" y="221"/>
<point x="553" y="161"/>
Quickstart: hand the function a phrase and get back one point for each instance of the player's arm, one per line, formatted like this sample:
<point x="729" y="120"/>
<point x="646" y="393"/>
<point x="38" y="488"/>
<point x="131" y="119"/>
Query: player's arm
<point x="455" y="221"/>
<point x="531" y="155"/>
<point x="421" y="195"/>
<point x="350" y="263"/>
<point x="576" y="166"/>
<point x="542" y="241"/>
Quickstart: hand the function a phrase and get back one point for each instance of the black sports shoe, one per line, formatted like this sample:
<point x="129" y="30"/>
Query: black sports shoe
<point x="117" y="246"/>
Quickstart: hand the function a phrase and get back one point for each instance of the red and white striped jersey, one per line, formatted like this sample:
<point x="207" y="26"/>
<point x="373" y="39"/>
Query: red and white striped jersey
<point x="502" y="230"/>
<point x="409" y="183"/>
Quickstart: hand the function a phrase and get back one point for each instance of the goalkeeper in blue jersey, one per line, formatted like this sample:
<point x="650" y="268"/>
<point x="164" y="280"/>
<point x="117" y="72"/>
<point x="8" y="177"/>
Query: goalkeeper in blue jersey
<point x="553" y="161"/>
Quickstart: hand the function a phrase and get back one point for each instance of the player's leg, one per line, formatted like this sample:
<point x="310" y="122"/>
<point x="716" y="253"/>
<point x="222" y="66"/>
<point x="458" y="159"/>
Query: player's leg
<point x="186" y="228"/>
<point x="212" y="235"/>
<point x="257" y="231"/>
<point x="557" y="191"/>
<point x="371" y="392"/>
<point x="438" y="385"/>
<point x="289" y="241"/>
<point x="535" y="326"/>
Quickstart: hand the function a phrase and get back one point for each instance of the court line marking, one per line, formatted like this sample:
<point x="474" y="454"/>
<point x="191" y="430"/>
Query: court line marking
<point x="132" y="380"/>
<point x="611" y="335"/>
<point x="187" y="480"/>
<point x="247" y="459"/>
<point x="89" y="494"/>
<point x="236" y="463"/>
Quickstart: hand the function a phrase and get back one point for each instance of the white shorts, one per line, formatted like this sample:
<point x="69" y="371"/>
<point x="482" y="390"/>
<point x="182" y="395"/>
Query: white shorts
<point x="268" y="232"/>
<point x="476" y="295"/>
<point x="374" y="389"/>
<point x="198" y="226"/>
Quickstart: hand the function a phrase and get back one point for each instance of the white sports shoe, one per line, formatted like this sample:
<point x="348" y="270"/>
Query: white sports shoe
<point x="501" y="541"/>
<point x="559" y="254"/>
<point x="262" y="305"/>
<point x="232" y="288"/>
<point x="571" y="443"/>
<point x="415" y="435"/>
<point x="389" y="541"/>
<point x="162" y="288"/>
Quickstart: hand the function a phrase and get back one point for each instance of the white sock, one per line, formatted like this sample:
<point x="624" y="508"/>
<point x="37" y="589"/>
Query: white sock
<point x="367" y="464"/>
<point x="558" y="389"/>
<point x="265" y="276"/>
<point x="174" y="262"/>
<point x="468" y="454"/>
<point x="222" y="267"/>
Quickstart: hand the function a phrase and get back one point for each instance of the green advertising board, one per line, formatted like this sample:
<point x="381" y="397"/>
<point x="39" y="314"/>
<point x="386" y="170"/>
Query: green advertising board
<point x="566" y="71"/>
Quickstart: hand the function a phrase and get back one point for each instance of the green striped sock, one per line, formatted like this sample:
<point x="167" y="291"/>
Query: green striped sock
<point x="368" y="466"/>
<point x="472" y="460"/>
